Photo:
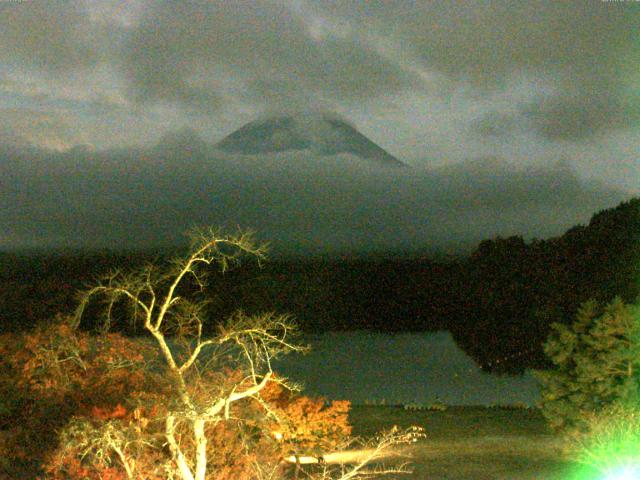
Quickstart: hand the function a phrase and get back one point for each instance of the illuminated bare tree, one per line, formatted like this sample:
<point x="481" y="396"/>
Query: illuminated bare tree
<point x="166" y="305"/>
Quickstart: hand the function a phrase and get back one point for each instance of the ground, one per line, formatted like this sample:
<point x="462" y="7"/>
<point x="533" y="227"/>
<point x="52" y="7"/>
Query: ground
<point x="474" y="443"/>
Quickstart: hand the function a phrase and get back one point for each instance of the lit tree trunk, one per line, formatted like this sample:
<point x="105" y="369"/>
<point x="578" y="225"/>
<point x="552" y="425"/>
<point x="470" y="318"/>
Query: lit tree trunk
<point x="201" y="448"/>
<point x="178" y="456"/>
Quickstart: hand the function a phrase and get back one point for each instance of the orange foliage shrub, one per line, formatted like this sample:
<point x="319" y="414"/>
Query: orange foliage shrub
<point x="54" y="373"/>
<point x="307" y="424"/>
<point x="286" y="423"/>
<point x="65" y="387"/>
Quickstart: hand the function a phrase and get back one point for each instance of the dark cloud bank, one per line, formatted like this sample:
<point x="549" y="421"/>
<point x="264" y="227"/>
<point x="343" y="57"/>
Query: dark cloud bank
<point x="579" y="59"/>
<point x="300" y="202"/>
<point x="580" y="56"/>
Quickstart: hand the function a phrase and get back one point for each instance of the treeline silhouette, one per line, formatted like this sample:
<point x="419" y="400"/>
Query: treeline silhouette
<point x="499" y="302"/>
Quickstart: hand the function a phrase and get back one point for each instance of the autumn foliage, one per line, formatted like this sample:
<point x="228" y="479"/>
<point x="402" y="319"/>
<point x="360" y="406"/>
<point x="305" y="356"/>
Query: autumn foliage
<point x="174" y="403"/>
<point x="70" y="399"/>
<point x="53" y="374"/>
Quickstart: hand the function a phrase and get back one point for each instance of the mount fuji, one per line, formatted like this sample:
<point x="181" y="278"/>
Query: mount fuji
<point x="322" y="133"/>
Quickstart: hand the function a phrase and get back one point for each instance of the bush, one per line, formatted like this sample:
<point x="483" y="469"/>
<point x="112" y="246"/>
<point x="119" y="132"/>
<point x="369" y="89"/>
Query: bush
<point x="102" y="406"/>
<point x="597" y="364"/>
<point x="100" y="392"/>
<point x="54" y="373"/>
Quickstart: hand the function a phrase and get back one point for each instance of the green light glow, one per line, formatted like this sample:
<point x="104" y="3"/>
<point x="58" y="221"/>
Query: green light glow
<point x="626" y="472"/>
<point x="612" y="454"/>
<point x="611" y="449"/>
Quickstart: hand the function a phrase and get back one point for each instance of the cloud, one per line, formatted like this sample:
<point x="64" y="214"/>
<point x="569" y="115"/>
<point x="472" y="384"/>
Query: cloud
<point x="48" y="35"/>
<point x="496" y="124"/>
<point x="568" y="117"/>
<point x="486" y="41"/>
<point x="568" y="69"/>
<point x="277" y="56"/>
<point x="299" y="202"/>
<point x="583" y="53"/>
<point x="581" y="116"/>
<point x="198" y="53"/>
<point x="31" y="127"/>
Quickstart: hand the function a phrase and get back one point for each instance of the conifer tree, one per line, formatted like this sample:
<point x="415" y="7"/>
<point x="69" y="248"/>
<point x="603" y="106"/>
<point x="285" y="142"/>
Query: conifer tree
<point x="597" y="364"/>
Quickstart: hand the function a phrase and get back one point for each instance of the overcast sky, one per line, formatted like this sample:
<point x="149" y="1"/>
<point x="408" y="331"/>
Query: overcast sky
<point x="544" y="86"/>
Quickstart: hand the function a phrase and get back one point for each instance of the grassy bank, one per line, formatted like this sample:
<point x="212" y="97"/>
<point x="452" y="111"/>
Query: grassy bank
<point x="473" y="443"/>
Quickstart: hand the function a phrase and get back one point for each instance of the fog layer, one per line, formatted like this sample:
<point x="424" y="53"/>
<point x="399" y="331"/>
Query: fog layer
<point x="300" y="202"/>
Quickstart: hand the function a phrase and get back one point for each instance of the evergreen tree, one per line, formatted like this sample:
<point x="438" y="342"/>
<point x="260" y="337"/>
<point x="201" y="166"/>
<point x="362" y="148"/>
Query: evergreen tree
<point x="597" y="364"/>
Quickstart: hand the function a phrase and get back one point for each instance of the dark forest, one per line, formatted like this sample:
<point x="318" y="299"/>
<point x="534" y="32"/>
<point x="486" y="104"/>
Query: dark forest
<point x="499" y="302"/>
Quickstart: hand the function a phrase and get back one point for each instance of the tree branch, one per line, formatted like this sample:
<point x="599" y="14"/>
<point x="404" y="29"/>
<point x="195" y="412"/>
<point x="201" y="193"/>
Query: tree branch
<point x="194" y="355"/>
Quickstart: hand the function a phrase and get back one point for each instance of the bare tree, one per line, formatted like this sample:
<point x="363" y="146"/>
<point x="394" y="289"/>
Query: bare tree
<point x="163" y="303"/>
<point x="361" y="458"/>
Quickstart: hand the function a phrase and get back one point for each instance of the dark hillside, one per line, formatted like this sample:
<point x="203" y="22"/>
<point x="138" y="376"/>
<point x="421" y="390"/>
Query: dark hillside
<point x="511" y="291"/>
<point x="498" y="303"/>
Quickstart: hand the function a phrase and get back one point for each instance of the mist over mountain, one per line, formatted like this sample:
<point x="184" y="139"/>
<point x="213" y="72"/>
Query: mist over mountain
<point x="318" y="132"/>
<point x="302" y="201"/>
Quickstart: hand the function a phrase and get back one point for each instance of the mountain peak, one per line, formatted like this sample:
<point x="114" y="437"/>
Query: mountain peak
<point x="321" y="132"/>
